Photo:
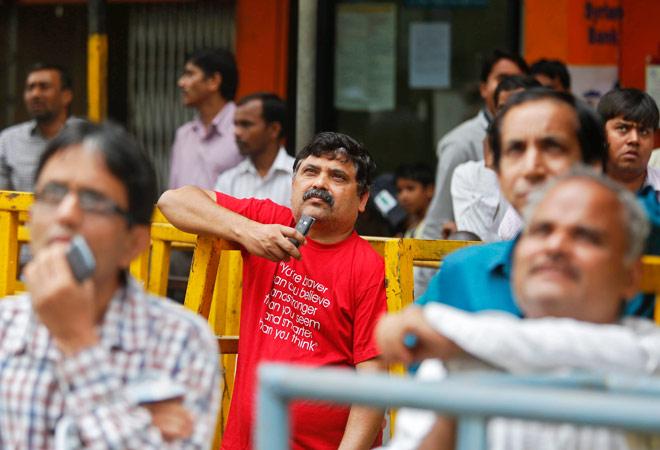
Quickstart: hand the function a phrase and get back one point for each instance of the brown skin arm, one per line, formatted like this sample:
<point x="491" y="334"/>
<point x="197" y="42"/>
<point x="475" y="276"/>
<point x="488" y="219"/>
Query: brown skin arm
<point x="194" y="210"/>
<point x="442" y="436"/>
<point x="364" y="422"/>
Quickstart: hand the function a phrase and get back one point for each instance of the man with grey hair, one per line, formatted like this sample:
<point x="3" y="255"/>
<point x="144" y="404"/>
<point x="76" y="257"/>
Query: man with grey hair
<point x="577" y="262"/>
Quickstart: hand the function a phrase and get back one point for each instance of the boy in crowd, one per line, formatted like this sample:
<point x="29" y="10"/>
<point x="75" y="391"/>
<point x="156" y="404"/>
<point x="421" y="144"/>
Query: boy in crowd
<point x="414" y="186"/>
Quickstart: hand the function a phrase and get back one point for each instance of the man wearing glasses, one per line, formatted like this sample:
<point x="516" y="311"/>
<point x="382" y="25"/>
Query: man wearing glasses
<point x="99" y="363"/>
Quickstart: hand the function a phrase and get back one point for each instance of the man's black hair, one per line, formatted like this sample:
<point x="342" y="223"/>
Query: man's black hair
<point x="419" y="172"/>
<point x="553" y="69"/>
<point x="513" y="82"/>
<point x="333" y="145"/>
<point x="65" y="77"/>
<point x="634" y="105"/>
<point x="273" y="108"/>
<point x="124" y="158"/>
<point x="497" y="55"/>
<point x="590" y="132"/>
<point x="218" y="60"/>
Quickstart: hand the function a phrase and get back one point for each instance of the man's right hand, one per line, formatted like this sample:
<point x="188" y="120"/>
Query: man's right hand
<point x="271" y="241"/>
<point x="171" y="418"/>
<point x="392" y="330"/>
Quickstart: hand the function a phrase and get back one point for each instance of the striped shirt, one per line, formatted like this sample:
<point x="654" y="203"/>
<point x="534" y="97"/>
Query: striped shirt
<point x="21" y="147"/>
<point x="141" y="337"/>
<point x="243" y="181"/>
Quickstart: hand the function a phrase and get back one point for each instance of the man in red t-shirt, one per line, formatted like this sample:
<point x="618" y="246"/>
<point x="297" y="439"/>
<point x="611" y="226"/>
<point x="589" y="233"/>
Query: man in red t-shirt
<point x="316" y="304"/>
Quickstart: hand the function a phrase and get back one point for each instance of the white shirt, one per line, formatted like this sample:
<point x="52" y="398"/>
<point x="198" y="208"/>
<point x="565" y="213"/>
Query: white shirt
<point x="537" y="345"/>
<point x="243" y="181"/>
<point x="478" y="204"/>
<point x="511" y="225"/>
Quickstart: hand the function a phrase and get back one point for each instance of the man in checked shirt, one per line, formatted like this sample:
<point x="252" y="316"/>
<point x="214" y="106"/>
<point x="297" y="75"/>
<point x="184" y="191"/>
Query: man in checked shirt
<point x="75" y="358"/>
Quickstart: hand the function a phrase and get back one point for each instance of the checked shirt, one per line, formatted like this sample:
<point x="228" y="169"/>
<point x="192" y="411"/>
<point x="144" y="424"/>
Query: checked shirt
<point x="141" y="336"/>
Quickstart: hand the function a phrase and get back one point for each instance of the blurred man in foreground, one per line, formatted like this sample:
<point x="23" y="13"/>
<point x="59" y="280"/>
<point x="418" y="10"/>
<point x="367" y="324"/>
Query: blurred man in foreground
<point x="575" y="265"/>
<point x="98" y="361"/>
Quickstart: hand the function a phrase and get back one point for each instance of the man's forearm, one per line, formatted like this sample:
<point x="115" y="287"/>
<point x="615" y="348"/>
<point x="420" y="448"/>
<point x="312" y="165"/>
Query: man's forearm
<point x="194" y="210"/>
<point x="362" y="428"/>
<point x="363" y="423"/>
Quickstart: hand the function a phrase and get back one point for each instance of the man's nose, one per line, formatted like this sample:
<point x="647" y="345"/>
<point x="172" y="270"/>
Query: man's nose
<point x="633" y="135"/>
<point x="321" y="180"/>
<point x="69" y="212"/>
<point x="557" y="243"/>
<point x="535" y="169"/>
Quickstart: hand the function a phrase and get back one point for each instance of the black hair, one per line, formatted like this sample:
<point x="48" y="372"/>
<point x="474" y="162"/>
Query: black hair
<point x="124" y="158"/>
<point x="273" y="108"/>
<point x="333" y="145"/>
<point x="590" y="132"/>
<point x="218" y="60"/>
<point x="65" y="77"/>
<point x="419" y="172"/>
<point x="632" y="104"/>
<point x="513" y="82"/>
<point x="553" y="69"/>
<point x="494" y="57"/>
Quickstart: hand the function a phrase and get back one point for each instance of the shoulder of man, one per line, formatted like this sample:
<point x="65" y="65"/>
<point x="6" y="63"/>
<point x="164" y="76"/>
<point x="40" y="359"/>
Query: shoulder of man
<point x="476" y="257"/>
<point x="15" y="313"/>
<point x="19" y="129"/>
<point x="473" y="129"/>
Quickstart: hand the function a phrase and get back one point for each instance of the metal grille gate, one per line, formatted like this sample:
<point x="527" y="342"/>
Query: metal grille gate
<point x="159" y="36"/>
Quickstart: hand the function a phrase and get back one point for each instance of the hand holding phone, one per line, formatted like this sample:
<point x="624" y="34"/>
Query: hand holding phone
<point x="303" y="226"/>
<point x="80" y="259"/>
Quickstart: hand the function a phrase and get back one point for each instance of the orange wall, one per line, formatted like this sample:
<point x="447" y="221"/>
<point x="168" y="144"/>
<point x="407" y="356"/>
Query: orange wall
<point x="561" y="29"/>
<point x="640" y="38"/>
<point x="262" y="37"/>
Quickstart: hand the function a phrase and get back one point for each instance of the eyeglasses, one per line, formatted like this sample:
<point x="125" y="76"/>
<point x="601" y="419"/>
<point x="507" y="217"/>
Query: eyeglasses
<point x="90" y="201"/>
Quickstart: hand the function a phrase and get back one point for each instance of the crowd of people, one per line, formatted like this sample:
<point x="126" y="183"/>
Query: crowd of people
<point x="560" y="193"/>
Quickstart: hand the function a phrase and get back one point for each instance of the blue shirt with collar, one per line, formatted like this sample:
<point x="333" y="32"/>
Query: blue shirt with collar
<point x="477" y="278"/>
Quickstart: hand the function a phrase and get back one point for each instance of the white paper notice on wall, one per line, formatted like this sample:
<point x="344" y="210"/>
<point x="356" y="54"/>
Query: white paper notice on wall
<point x="365" y="57"/>
<point x="653" y="81"/>
<point x="430" y="55"/>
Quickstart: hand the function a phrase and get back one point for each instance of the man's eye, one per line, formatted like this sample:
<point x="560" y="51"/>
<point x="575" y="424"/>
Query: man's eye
<point x="645" y="132"/>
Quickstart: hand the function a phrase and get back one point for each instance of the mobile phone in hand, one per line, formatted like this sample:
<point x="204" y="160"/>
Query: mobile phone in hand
<point x="80" y="258"/>
<point x="303" y="226"/>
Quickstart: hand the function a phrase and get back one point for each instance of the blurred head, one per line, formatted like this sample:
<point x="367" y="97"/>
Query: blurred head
<point x="94" y="180"/>
<point x="208" y="72"/>
<point x="551" y="73"/>
<point x="509" y="86"/>
<point x="259" y="123"/>
<point x="631" y="118"/>
<point x="579" y="255"/>
<point x="47" y="93"/>
<point x="495" y="67"/>
<point x="414" y="185"/>
<point x="540" y="134"/>
<point x="332" y="176"/>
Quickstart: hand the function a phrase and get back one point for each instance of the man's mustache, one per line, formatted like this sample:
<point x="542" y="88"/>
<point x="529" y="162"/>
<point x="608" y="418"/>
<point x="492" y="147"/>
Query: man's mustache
<point x="321" y="194"/>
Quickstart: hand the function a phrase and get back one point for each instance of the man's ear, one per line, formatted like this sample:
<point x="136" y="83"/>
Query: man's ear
<point x="274" y="130"/>
<point x="215" y="81"/>
<point x="633" y="279"/>
<point x="67" y="97"/>
<point x="137" y="241"/>
<point x="364" y="198"/>
<point x="483" y="90"/>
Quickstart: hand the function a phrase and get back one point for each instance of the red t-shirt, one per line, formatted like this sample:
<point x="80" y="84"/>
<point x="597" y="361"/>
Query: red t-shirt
<point x="318" y="311"/>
